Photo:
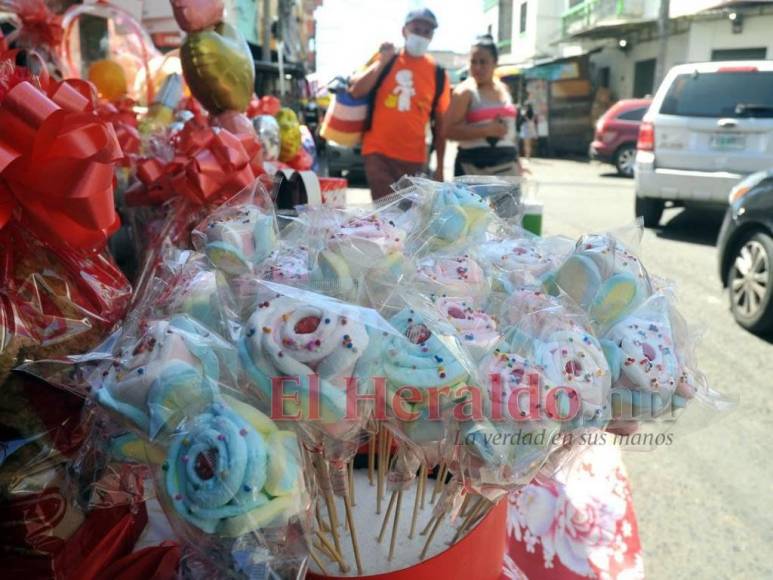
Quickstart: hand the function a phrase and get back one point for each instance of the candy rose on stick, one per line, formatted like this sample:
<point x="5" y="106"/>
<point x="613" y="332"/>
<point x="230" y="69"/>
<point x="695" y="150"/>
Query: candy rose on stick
<point x="300" y="351"/>
<point x="367" y="241"/>
<point x="237" y="237"/>
<point x="604" y="277"/>
<point x="517" y="261"/>
<point x="420" y="359"/>
<point x="451" y="214"/>
<point x="506" y="448"/>
<point x="225" y="469"/>
<point x="651" y="362"/>
<point x="458" y="276"/>
<point x="477" y="330"/>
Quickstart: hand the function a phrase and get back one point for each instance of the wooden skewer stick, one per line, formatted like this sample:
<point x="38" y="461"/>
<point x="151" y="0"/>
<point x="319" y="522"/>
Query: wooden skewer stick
<point x="481" y="514"/>
<point x="318" y="546"/>
<point x="380" y="474"/>
<point x="332" y="551"/>
<point x="419" y="493"/>
<point x="333" y="516"/>
<point x="465" y="505"/>
<point x="314" y="557"/>
<point x="386" y="517"/>
<point x="441" y="476"/>
<point x="427" y="527"/>
<point x="355" y="545"/>
<point x="465" y="524"/>
<point x="431" y="535"/>
<point x="351" y="482"/>
<point x="423" y="486"/>
<point x="397" y="522"/>
<point x="371" y="458"/>
<point x="320" y="522"/>
<point x="332" y="513"/>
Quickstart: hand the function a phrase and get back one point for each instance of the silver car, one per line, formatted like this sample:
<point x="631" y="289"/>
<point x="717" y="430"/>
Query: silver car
<point x="709" y="126"/>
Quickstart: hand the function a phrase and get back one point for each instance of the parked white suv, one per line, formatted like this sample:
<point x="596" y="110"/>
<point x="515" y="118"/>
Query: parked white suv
<point x="710" y="125"/>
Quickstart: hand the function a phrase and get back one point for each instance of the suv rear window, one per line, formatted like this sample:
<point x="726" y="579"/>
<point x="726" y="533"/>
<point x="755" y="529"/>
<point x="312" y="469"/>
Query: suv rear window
<point x="633" y="115"/>
<point x="721" y="94"/>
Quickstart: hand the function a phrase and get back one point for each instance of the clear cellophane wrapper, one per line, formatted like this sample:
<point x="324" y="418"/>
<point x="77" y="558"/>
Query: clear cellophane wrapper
<point x="447" y="216"/>
<point x="240" y="234"/>
<point x="226" y="475"/>
<point x="505" y="194"/>
<point x="55" y="301"/>
<point x="512" y="257"/>
<point x="650" y="348"/>
<point x="545" y="377"/>
<point x="316" y="361"/>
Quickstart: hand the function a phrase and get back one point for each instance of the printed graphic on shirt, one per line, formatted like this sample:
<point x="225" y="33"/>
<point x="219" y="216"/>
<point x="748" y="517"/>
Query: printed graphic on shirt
<point x="404" y="89"/>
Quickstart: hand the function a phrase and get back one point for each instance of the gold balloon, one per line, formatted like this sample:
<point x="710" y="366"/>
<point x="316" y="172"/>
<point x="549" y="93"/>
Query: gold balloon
<point x="109" y="78"/>
<point x="218" y="68"/>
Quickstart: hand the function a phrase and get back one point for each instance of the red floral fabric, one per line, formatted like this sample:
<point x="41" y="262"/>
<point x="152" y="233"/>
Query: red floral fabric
<point x="580" y="523"/>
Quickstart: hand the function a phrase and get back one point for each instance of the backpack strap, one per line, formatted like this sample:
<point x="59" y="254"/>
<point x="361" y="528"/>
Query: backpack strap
<point x="440" y="84"/>
<point x="372" y="95"/>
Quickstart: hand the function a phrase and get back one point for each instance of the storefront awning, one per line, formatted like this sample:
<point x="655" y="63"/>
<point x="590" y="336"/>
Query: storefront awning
<point x="508" y="70"/>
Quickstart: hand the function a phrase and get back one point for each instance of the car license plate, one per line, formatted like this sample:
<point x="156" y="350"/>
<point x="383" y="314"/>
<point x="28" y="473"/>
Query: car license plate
<point x="728" y="142"/>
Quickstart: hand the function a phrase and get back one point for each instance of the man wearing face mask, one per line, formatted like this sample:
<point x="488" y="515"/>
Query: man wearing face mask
<point x="406" y="90"/>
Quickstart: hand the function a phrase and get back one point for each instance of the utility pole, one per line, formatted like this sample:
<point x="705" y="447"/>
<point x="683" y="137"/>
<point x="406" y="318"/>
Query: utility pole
<point x="266" y="40"/>
<point x="663" y="22"/>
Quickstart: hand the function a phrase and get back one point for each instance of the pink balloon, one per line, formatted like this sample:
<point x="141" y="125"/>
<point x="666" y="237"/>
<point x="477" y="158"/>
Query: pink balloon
<point x="193" y="15"/>
<point x="235" y="122"/>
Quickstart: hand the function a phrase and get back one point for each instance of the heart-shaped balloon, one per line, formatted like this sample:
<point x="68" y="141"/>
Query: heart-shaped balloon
<point x="218" y="68"/>
<point x="194" y="15"/>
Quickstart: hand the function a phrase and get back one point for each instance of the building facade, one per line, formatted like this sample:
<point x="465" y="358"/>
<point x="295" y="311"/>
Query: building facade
<point x="293" y="20"/>
<point x="526" y="31"/>
<point x="574" y="58"/>
<point x="623" y="39"/>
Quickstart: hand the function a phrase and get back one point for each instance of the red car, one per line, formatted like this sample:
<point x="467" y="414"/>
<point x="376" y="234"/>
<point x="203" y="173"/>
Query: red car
<point x="616" y="133"/>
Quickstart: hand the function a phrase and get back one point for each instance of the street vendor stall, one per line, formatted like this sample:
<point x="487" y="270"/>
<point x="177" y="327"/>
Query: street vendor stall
<point x="325" y="392"/>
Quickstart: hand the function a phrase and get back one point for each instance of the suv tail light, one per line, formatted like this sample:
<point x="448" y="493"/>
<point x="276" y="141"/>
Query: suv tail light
<point x="646" y="140"/>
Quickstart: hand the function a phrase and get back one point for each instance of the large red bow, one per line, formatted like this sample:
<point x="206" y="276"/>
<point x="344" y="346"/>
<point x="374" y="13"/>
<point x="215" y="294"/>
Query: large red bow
<point x="210" y="164"/>
<point x="56" y="165"/>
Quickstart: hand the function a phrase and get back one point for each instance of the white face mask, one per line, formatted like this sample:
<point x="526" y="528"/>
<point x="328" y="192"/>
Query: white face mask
<point x="416" y="45"/>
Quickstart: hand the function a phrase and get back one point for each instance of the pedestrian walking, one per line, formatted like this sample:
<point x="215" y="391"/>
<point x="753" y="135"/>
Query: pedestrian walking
<point x="481" y="118"/>
<point x="407" y="90"/>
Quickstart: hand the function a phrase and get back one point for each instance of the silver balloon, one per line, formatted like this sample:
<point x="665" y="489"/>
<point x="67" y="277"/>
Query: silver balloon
<point x="268" y="134"/>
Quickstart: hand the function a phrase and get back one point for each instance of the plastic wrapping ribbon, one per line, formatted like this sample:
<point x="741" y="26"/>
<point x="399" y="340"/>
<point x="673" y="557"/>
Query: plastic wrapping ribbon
<point x="210" y="164"/>
<point x="39" y="24"/>
<point x="56" y="165"/>
<point x="124" y="120"/>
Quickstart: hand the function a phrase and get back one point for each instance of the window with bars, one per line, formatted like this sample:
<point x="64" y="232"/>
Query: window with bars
<point x="505" y="33"/>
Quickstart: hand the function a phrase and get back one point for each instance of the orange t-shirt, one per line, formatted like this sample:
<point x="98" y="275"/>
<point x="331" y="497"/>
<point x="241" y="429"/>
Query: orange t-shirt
<point x="402" y="110"/>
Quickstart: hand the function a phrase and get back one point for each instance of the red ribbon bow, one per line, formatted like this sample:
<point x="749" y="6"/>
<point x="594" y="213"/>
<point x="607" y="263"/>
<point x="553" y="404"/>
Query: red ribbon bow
<point x="211" y="164"/>
<point x="56" y="165"/>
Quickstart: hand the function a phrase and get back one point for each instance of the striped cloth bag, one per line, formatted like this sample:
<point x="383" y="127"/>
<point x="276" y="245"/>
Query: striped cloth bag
<point x="344" y="121"/>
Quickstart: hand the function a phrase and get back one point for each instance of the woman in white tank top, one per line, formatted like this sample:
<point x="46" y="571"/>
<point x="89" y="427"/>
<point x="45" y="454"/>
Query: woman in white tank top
<point x="481" y="118"/>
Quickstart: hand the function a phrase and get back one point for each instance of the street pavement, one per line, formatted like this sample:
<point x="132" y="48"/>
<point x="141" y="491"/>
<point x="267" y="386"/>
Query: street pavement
<point x="704" y="503"/>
